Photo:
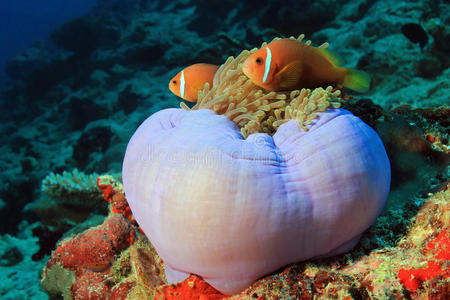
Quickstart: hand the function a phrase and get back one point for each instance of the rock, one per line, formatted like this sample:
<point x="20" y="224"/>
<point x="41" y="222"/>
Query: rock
<point x="10" y="256"/>
<point x="85" y="259"/>
<point x="93" y="140"/>
<point x="82" y="111"/>
<point x="83" y="35"/>
<point x="429" y="66"/>
<point x="128" y="100"/>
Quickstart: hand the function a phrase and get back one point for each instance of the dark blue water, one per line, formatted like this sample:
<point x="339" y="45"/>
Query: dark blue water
<point x="23" y="22"/>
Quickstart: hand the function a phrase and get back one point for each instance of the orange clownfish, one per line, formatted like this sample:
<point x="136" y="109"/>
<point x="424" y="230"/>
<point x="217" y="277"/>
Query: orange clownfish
<point x="288" y="64"/>
<point x="189" y="81"/>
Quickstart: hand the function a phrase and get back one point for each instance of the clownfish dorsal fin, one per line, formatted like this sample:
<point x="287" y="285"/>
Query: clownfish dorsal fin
<point x="289" y="76"/>
<point x="335" y="59"/>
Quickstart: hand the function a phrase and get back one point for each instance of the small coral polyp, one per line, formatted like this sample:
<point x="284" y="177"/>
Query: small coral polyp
<point x="248" y="181"/>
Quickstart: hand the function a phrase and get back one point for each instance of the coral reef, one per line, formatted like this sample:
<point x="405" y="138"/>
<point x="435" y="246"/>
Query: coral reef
<point x="20" y="274"/>
<point x="67" y="199"/>
<point x="71" y="194"/>
<point x="65" y="95"/>
<point x="71" y="187"/>
<point x="414" y="266"/>
<point x="78" y="266"/>
<point x="379" y="260"/>
<point x="113" y="193"/>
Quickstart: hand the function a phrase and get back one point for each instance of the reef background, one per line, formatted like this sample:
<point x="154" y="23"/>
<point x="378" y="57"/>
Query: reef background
<point x="24" y="22"/>
<point x="74" y="100"/>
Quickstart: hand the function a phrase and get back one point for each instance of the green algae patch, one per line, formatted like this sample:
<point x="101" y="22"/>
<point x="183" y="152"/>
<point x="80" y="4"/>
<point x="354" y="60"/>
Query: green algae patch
<point x="58" y="281"/>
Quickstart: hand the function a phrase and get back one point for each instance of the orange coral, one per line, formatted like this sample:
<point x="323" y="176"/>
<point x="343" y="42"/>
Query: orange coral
<point x="412" y="279"/>
<point x="116" y="198"/>
<point x="192" y="288"/>
<point x="89" y="256"/>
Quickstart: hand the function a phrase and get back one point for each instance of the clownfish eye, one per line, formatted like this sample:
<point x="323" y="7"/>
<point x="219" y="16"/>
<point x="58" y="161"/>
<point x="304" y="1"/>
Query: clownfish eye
<point x="174" y="82"/>
<point x="259" y="60"/>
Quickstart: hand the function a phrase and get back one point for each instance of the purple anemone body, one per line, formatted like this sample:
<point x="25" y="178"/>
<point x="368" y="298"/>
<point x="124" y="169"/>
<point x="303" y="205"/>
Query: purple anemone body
<point x="232" y="210"/>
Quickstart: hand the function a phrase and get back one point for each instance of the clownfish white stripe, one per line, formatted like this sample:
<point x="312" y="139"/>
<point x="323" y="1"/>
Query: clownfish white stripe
<point x="267" y="65"/>
<point x="182" y="84"/>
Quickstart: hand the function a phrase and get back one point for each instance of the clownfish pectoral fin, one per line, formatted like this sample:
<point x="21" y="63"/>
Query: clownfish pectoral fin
<point x="289" y="76"/>
<point x="357" y="80"/>
<point x="335" y="59"/>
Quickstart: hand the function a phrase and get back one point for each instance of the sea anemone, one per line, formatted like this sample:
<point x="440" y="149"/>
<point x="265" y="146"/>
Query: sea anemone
<point x="248" y="181"/>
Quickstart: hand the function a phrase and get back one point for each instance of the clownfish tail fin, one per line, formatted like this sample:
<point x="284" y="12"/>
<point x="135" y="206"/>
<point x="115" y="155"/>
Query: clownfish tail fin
<point x="357" y="80"/>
